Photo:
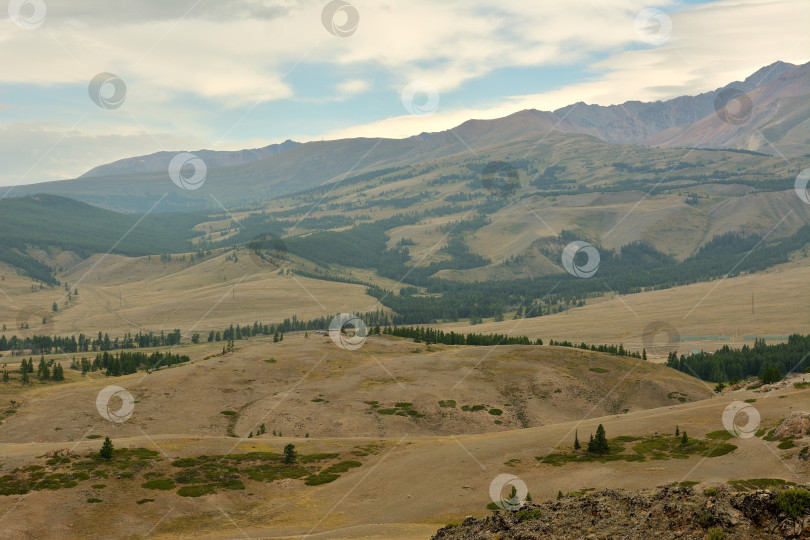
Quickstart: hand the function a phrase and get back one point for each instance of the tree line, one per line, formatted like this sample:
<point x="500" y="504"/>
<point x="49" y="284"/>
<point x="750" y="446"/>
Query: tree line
<point x="762" y="360"/>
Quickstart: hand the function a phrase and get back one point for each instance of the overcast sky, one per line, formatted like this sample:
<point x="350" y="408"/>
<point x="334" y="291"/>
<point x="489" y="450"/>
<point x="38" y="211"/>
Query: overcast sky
<point x="247" y="73"/>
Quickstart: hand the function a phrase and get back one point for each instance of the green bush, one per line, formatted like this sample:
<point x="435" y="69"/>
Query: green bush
<point x="711" y="492"/>
<point x="716" y="534"/>
<point x="794" y="502"/>
<point x="163" y="484"/>
<point x="228" y="413"/>
<point x="786" y="445"/>
<point x="94" y="500"/>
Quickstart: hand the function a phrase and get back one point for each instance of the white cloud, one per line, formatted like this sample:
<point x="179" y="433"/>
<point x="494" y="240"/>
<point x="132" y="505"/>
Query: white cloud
<point x="221" y="57"/>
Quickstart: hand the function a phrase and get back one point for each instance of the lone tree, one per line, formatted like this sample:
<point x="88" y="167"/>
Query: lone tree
<point x="677" y="430"/>
<point x="289" y="454"/>
<point x="684" y="438"/>
<point x="599" y="444"/>
<point x="106" y="451"/>
<point x="577" y="446"/>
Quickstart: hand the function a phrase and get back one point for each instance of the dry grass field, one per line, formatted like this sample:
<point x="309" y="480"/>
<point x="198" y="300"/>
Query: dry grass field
<point x="417" y="472"/>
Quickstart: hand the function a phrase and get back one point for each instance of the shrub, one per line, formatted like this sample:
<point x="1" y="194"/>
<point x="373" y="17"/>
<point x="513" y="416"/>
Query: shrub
<point x="794" y="502"/>
<point x="786" y="445"/>
<point x="711" y="492"/>
<point x="716" y="534"/>
<point x="163" y="484"/>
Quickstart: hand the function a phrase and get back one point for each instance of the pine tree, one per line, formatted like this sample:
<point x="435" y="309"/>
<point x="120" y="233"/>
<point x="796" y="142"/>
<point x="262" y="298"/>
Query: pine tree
<point x="559" y="495"/>
<point x="54" y="307"/>
<point x="275" y="337"/>
<point x="577" y="446"/>
<point x="677" y="431"/>
<point x="684" y="439"/>
<point x="24" y="377"/>
<point x="106" y="451"/>
<point x="644" y="354"/>
<point x="43" y="373"/>
<point x="58" y="372"/>
<point x="599" y="444"/>
<point x="289" y="454"/>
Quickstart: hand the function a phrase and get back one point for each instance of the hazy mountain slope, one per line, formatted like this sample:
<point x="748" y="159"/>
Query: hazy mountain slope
<point x="637" y="122"/>
<point x="159" y="161"/>
<point x="779" y="116"/>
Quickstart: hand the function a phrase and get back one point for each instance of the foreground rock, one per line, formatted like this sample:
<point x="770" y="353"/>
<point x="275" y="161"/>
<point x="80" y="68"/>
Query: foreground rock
<point x="664" y="513"/>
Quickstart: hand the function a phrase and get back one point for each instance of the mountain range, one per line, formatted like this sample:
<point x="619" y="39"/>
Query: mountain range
<point x="768" y="112"/>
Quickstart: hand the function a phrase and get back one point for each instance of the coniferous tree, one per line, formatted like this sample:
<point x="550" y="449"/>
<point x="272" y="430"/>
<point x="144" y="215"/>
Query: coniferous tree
<point x="289" y="454"/>
<point x="684" y="438"/>
<point x="677" y="431"/>
<point x="43" y="373"/>
<point x="599" y="444"/>
<point x="106" y="451"/>
<point x="58" y="372"/>
<point x="577" y="446"/>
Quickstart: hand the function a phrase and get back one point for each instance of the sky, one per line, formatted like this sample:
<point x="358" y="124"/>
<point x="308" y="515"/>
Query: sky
<point x="83" y="83"/>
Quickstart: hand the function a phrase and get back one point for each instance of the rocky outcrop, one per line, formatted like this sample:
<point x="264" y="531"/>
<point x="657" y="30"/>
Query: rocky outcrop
<point x="664" y="513"/>
<point x="797" y="424"/>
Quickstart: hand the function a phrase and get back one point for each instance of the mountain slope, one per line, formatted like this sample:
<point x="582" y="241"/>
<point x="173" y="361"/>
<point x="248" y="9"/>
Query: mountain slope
<point x="159" y="161"/>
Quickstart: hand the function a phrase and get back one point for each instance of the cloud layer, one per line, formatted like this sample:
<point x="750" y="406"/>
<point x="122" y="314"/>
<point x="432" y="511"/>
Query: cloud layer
<point x="247" y="73"/>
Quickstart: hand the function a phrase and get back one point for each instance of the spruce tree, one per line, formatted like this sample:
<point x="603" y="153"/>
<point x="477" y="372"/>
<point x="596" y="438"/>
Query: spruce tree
<point x="684" y="439"/>
<point x="106" y="451"/>
<point x="577" y="446"/>
<point x="600" y="441"/>
<point x="58" y="372"/>
<point x="677" y="431"/>
<point x="289" y="454"/>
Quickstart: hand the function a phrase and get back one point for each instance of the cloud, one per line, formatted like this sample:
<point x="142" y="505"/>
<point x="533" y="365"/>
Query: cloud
<point x="187" y="66"/>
